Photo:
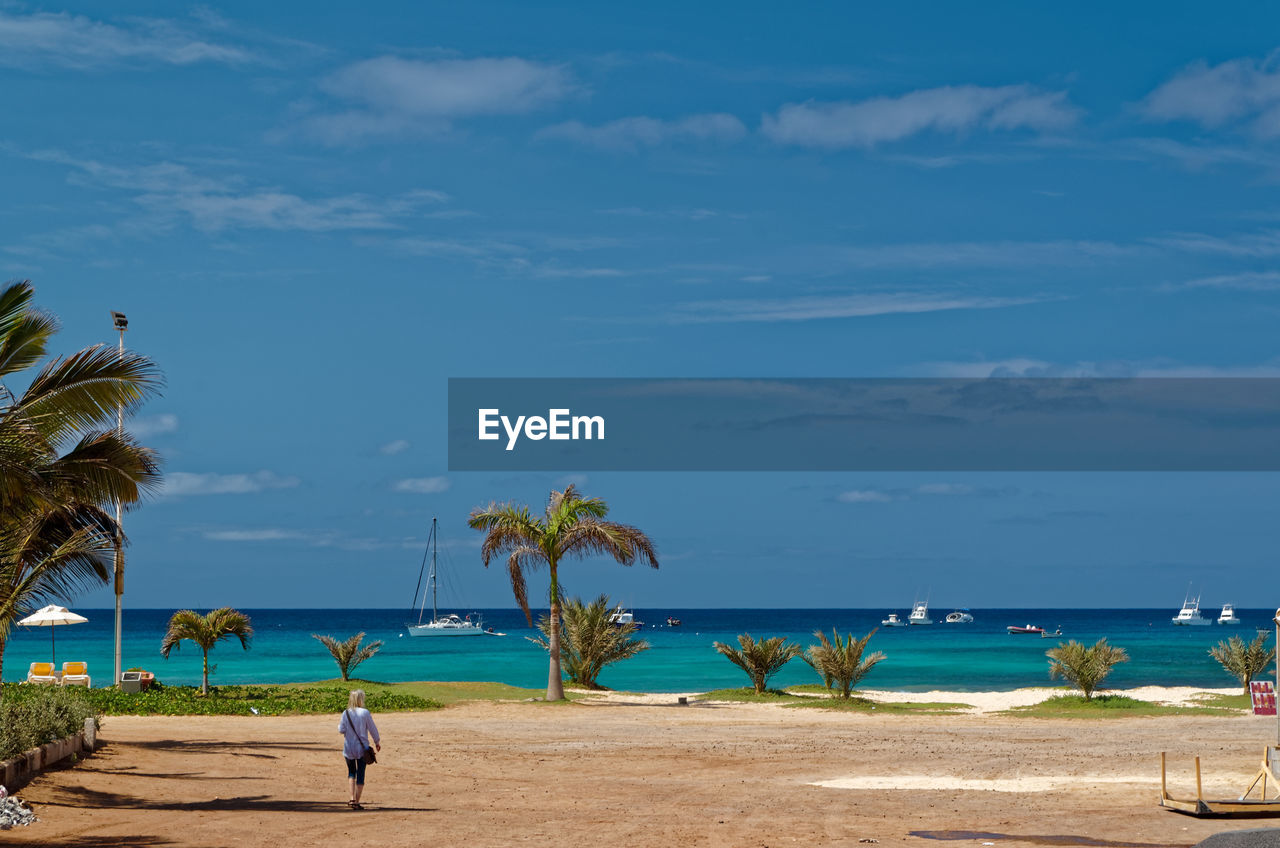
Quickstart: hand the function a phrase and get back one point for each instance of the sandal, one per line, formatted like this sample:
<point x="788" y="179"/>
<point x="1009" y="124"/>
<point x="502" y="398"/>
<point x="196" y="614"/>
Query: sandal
<point x="355" y="805"/>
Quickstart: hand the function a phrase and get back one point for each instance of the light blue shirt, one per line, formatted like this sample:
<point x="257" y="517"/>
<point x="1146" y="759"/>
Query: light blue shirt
<point x="357" y="726"/>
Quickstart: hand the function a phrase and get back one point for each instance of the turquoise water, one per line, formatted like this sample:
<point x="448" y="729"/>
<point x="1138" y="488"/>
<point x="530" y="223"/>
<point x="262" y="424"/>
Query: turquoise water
<point x="965" y="657"/>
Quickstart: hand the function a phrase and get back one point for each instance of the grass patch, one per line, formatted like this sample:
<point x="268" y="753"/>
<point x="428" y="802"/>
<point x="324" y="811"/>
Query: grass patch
<point x="1230" y="702"/>
<point x="1108" y="706"/>
<point x="445" y="693"/>
<point x="856" y="704"/>
<point x="747" y="695"/>
<point x="244" y="700"/>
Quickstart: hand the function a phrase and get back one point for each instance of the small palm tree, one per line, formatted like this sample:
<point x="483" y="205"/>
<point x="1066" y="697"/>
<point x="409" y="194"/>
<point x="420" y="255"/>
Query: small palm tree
<point x="761" y="660"/>
<point x="350" y="653"/>
<point x="1244" y="661"/>
<point x="206" y="631"/>
<point x="840" y="661"/>
<point x="1082" y="666"/>
<point x="589" y="640"/>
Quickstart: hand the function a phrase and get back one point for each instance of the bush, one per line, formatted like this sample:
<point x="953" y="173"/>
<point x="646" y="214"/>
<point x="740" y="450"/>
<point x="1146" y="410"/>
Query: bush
<point x="243" y="700"/>
<point x="31" y="715"/>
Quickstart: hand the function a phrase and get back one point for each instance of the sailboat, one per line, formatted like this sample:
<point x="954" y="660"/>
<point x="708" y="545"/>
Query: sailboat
<point x="448" y="625"/>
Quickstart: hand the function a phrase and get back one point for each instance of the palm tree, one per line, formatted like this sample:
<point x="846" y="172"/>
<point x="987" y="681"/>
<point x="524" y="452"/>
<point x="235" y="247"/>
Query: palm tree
<point x="1244" y="661"/>
<point x="571" y="526"/>
<point x="761" y="660"/>
<point x="1084" y="667"/>
<point x="63" y="462"/>
<point x="589" y="640"/>
<point x="840" y="661"/>
<point x="349" y="654"/>
<point x="206" y="631"/>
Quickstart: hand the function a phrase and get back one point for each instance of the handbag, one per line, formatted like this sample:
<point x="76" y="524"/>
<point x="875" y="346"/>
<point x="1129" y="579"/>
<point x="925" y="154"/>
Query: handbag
<point x="368" y="756"/>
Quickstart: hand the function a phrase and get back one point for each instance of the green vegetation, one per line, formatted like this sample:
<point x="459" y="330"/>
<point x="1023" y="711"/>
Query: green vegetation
<point x="760" y="660"/>
<point x="206" y="631"/>
<point x="349" y="654"/>
<point x="33" y="715"/>
<point x="589" y="640"/>
<point x="840" y="662"/>
<point x="1232" y="702"/>
<point x="788" y="698"/>
<point x="1244" y="661"/>
<point x="572" y="526"/>
<point x="443" y="693"/>
<point x="1084" y="667"/>
<point x="1108" y="706"/>
<point x="63" y="462"/>
<point x="243" y="700"/>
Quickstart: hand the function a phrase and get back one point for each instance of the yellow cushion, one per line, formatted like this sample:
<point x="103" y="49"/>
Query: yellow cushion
<point x="41" y="669"/>
<point x="73" y="668"/>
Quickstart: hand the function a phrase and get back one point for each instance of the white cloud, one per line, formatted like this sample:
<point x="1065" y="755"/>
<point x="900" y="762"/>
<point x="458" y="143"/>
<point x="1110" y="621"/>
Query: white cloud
<point x="266" y="535"/>
<point x="813" y="307"/>
<point x="179" y="483"/>
<point x="64" y="40"/>
<point x="1215" y="95"/>
<point x="1021" y="367"/>
<point x="393" y="96"/>
<point x="944" y="489"/>
<point x="950" y="109"/>
<point x="629" y="134"/>
<point x="394" y="447"/>
<point x="423" y="485"/>
<point x="864" y="496"/>
<point x="1261" y="244"/>
<point x="153" y="425"/>
<point x="1246" y="281"/>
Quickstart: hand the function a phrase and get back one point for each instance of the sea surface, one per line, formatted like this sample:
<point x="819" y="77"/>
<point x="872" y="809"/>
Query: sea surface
<point x="965" y="657"/>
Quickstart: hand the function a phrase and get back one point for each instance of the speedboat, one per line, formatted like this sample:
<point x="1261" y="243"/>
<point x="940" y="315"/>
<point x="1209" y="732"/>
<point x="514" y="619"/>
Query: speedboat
<point x="1030" y="629"/>
<point x="1189" y="615"/>
<point x="1228" y="615"/>
<point x="672" y="621"/>
<point x="621" y="618"/>
<point x="919" y="613"/>
<point x="1047" y="635"/>
<point x="893" y="621"/>
<point x="959" y="617"/>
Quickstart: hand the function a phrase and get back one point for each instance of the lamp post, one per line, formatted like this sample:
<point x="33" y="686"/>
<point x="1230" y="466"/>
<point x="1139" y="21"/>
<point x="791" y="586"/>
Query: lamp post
<point x="121" y="324"/>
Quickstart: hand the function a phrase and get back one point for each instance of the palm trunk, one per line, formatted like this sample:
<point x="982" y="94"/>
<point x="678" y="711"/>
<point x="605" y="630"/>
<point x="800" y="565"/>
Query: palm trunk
<point x="204" y="684"/>
<point x="555" y="684"/>
<point x="2" y="644"/>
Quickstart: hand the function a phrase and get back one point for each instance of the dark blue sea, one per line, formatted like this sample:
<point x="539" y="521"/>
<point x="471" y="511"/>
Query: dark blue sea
<point x="965" y="657"/>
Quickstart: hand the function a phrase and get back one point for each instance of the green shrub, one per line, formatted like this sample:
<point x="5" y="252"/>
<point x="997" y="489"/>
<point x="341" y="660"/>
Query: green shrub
<point x="243" y="700"/>
<point x="31" y="715"/>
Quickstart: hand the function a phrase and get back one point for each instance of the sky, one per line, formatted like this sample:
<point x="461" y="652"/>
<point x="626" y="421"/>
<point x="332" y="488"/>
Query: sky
<point x="313" y="217"/>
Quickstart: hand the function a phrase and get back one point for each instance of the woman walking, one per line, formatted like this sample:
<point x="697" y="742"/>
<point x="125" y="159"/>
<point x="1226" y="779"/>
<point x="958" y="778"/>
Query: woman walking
<point x="356" y="726"/>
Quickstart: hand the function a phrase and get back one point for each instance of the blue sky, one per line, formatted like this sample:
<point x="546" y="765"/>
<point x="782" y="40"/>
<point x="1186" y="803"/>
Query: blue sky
<point x="314" y="217"/>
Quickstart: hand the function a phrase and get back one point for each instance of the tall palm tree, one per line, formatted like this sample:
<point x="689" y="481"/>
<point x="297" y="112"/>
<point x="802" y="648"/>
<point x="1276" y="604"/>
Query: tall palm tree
<point x="571" y="526"/>
<point x="350" y="653"/>
<point x="63" y="463"/>
<point x="760" y="660"/>
<point x="590" y="640"/>
<point x="206" y="631"/>
<point x="1244" y="661"/>
<point x="1084" y="666"/>
<point x="840" y="660"/>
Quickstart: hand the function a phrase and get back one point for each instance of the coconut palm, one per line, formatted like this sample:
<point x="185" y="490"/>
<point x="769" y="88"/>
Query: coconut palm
<point x="571" y="526"/>
<point x="589" y="640"/>
<point x="1244" y="661"/>
<point x="840" y="661"/>
<point x="761" y="660"/>
<point x="63" y="462"/>
<point x="1084" y="667"/>
<point x="350" y="653"/>
<point x="206" y="631"/>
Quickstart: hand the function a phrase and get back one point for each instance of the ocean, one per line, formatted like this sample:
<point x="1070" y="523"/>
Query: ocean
<point x="963" y="657"/>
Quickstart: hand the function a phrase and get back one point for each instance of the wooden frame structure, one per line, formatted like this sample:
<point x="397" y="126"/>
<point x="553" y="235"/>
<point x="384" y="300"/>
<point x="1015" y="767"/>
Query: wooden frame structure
<point x="1242" y="806"/>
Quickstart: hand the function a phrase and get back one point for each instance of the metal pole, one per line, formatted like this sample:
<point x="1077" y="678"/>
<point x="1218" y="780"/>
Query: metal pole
<point x="119" y="569"/>
<point x="1277" y="620"/>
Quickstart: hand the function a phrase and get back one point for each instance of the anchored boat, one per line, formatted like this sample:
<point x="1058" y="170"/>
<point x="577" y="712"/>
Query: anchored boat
<point x="447" y="625"/>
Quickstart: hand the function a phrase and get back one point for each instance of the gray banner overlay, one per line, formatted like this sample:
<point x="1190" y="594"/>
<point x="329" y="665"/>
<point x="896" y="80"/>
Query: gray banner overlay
<point x="891" y="424"/>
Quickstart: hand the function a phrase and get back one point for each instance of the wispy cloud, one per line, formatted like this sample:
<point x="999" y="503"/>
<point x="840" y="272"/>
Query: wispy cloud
<point x="263" y="535"/>
<point x="60" y="39"/>
<point x="394" y="447"/>
<point x="1244" y="91"/>
<point x="950" y="109"/>
<point x="1257" y="281"/>
<point x="392" y="96"/>
<point x="422" y="485"/>
<point x="182" y="483"/>
<point x="1029" y="367"/>
<point x="629" y="134"/>
<point x="147" y="426"/>
<point x="814" y="307"/>
<point x="864" y="496"/>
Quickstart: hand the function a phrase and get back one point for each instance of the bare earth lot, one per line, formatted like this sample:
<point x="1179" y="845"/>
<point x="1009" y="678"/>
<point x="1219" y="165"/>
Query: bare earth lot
<point x="486" y="774"/>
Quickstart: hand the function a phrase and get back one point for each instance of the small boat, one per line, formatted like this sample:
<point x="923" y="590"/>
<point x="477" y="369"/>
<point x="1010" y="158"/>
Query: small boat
<point x="449" y="625"/>
<point x="1189" y="615"/>
<point x="1228" y="615"/>
<point x="1047" y="635"/>
<point x="893" y="621"/>
<point x="1026" y="628"/>
<point x="622" y="618"/>
<point x="672" y="621"/>
<point x="919" y="613"/>
<point x="959" y="617"/>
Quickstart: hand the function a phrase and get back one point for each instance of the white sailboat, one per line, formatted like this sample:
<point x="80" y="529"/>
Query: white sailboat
<point x="1189" y="615"/>
<point x="447" y="625"/>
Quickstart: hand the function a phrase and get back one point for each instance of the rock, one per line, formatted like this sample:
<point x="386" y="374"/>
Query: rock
<point x="1264" y="838"/>
<point x="14" y="813"/>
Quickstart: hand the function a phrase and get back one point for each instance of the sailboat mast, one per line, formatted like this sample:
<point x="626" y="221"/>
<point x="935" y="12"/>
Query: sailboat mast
<point x="435" y="615"/>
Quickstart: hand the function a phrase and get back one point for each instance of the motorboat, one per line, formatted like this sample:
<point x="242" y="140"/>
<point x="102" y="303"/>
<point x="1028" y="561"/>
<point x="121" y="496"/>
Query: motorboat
<point x="1029" y="629"/>
<point x="959" y="617"/>
<point x="893" y="621"/>
<point x="672" y="621"/>
<point x="1189" y="615"/>
<point x="1228" y="615"/>
<point x="1047" y="635"/>
<point x="623" y="618"/>
<point x="919" y="613"/>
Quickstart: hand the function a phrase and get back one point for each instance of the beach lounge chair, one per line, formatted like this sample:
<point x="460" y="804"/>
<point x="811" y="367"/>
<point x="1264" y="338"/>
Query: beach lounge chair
<point x="41" y="673"/>
<point x="75" y="674"/>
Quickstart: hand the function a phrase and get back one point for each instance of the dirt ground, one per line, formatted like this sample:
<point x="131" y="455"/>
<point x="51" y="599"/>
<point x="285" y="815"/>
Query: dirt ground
<point x="485" y="774"/>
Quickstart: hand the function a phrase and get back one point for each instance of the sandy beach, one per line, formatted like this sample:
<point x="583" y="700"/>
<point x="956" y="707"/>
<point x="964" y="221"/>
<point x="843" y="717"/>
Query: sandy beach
<point x="613" y="769"/>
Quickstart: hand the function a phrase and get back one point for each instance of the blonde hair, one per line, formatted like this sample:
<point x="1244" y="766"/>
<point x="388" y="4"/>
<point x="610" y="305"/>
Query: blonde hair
<point x="356" y="699"/>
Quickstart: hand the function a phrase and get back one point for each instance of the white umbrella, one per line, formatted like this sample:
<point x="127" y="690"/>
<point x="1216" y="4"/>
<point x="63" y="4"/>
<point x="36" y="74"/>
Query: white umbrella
<point x="50" y="617"/>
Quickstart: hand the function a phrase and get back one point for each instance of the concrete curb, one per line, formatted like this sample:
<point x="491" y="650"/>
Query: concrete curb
<point x="19" y="771"/>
